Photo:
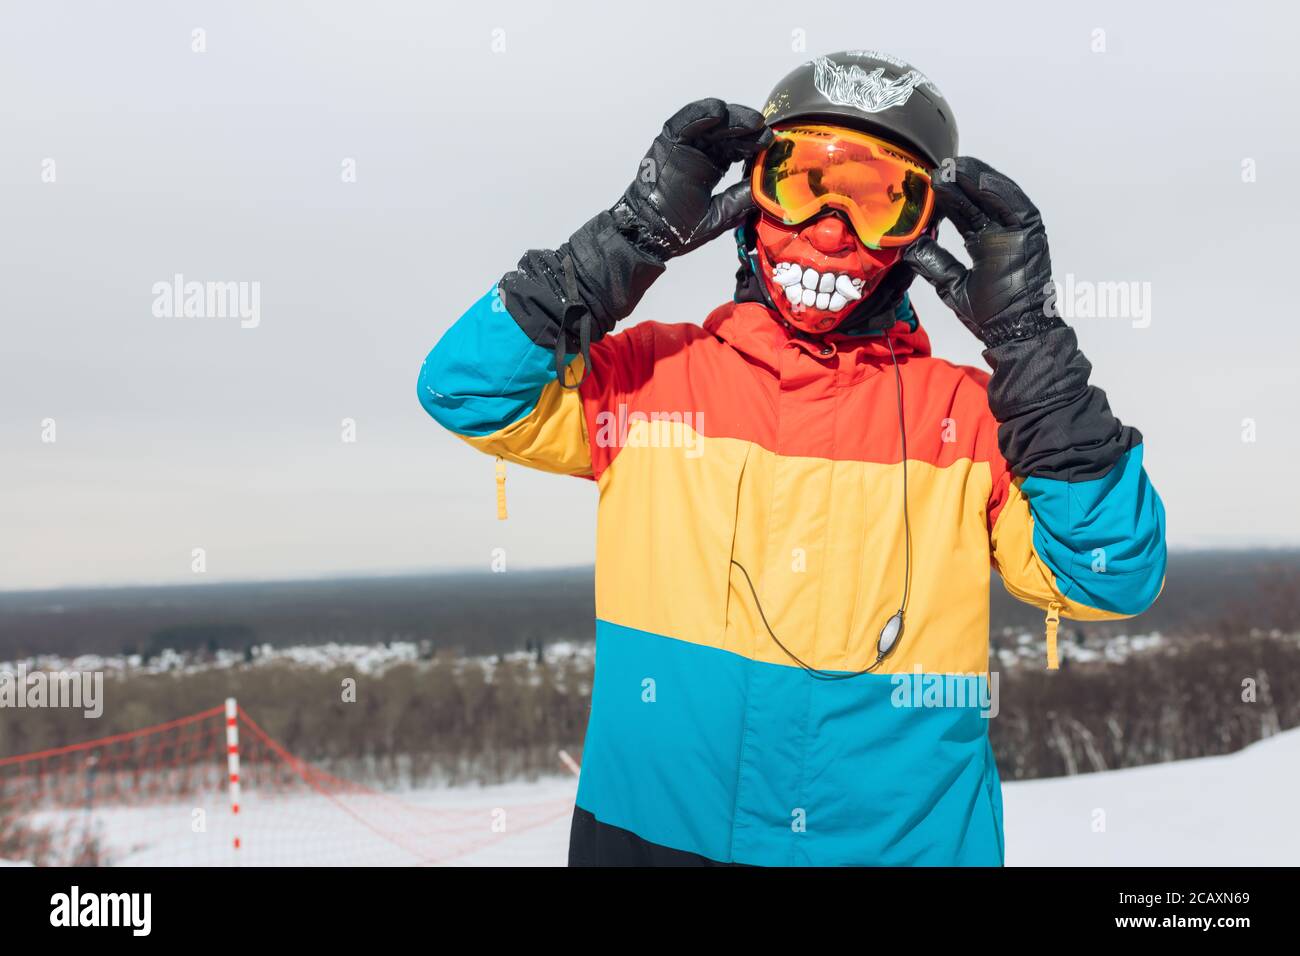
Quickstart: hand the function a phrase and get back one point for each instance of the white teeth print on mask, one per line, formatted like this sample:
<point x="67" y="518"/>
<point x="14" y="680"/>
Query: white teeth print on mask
<point x="787" y="274"/>
<point x="805" y="287"/>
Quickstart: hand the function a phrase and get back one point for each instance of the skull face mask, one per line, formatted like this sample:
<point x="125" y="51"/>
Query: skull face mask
<point x="816" y="273"/>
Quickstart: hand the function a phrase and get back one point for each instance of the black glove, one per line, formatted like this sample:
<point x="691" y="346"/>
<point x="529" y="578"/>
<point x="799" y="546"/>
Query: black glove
<point x="569" y="297"/>
<point x="1002" y="297"/>
<point x="1052" y="423"/>
<point x="670" y="208"/>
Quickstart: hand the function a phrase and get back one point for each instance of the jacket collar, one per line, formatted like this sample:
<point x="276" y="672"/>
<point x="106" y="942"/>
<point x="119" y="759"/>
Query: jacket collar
<point x="759" y="333"/>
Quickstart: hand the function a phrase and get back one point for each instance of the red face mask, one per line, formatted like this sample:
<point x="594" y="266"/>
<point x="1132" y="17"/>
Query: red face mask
<point x="818" y="271"/>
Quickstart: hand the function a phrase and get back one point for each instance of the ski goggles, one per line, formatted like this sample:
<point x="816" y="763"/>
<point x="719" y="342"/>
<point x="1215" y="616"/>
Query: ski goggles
<point x="885" y="192"/>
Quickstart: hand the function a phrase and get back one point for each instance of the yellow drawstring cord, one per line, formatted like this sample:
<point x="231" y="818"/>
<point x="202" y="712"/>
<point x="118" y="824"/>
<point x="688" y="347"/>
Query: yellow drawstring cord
<point x="501" y="489"/>
<point x="1053" y="622"/>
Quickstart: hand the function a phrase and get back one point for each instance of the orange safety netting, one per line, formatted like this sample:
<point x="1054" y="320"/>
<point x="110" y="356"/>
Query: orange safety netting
<point x="160" y="796"/>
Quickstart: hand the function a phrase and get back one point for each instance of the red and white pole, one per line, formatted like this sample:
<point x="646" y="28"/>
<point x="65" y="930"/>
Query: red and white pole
<point x="232" y="757"/>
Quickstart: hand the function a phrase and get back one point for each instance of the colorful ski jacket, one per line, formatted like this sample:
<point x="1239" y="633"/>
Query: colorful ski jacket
<point x="738" y="452"/>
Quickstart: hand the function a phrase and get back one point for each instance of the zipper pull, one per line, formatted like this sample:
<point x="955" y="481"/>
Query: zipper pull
<point x="501" y="489"/>
<point x="1053" y="622"/>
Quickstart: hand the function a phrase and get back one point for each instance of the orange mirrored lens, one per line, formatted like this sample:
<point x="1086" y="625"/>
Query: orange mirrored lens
<point x="884" y="191"/>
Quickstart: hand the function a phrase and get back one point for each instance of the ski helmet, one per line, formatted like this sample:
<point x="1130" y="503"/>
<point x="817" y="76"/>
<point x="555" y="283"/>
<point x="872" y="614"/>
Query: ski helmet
<point x="874" y="92"/>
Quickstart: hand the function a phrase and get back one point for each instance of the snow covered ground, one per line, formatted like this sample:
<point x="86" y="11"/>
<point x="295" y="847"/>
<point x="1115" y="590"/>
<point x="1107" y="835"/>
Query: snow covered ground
<point x="1236" y="810"/>
<point x="521" y="824"/>
<point x="1216" y="811"/>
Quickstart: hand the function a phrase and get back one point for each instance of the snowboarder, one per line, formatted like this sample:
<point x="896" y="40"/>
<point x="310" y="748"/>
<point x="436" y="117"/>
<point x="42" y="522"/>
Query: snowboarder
<point x="800" y="506"/>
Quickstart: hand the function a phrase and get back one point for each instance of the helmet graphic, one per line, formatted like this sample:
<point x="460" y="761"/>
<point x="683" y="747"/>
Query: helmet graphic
<point x="874" y="92"/>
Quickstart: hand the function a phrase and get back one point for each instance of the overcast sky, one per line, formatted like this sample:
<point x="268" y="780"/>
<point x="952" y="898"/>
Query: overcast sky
<point x="228" y="165"/>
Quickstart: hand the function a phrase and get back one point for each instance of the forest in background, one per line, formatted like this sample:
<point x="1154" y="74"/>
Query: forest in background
<point x="1211" y="592"/>
<point x="502" y="678"/>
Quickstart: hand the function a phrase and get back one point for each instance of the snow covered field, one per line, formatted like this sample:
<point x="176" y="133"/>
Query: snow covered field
<point x="1217" y="811"/>
<point x="523" y="824"/>
<point x="1236" y="810"/>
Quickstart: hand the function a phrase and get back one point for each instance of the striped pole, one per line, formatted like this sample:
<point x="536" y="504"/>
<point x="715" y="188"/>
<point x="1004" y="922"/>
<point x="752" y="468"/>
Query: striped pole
<point x="569" y="762"/>
<point x="232" y="756"/>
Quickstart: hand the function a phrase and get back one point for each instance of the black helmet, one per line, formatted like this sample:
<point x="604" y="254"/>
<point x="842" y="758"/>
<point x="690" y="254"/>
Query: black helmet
<point x="874" y="92"/>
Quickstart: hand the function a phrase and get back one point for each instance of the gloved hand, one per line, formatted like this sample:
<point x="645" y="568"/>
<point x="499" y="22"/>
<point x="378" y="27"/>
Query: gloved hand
<point x="1002" y="296"/>
<point x="670" y="208"/>
<point x="570" y="297"/>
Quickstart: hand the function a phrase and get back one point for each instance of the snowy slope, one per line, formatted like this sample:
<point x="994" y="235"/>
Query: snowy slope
<point x="1216" y="811"/>
<point x="1237" y="810"/>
